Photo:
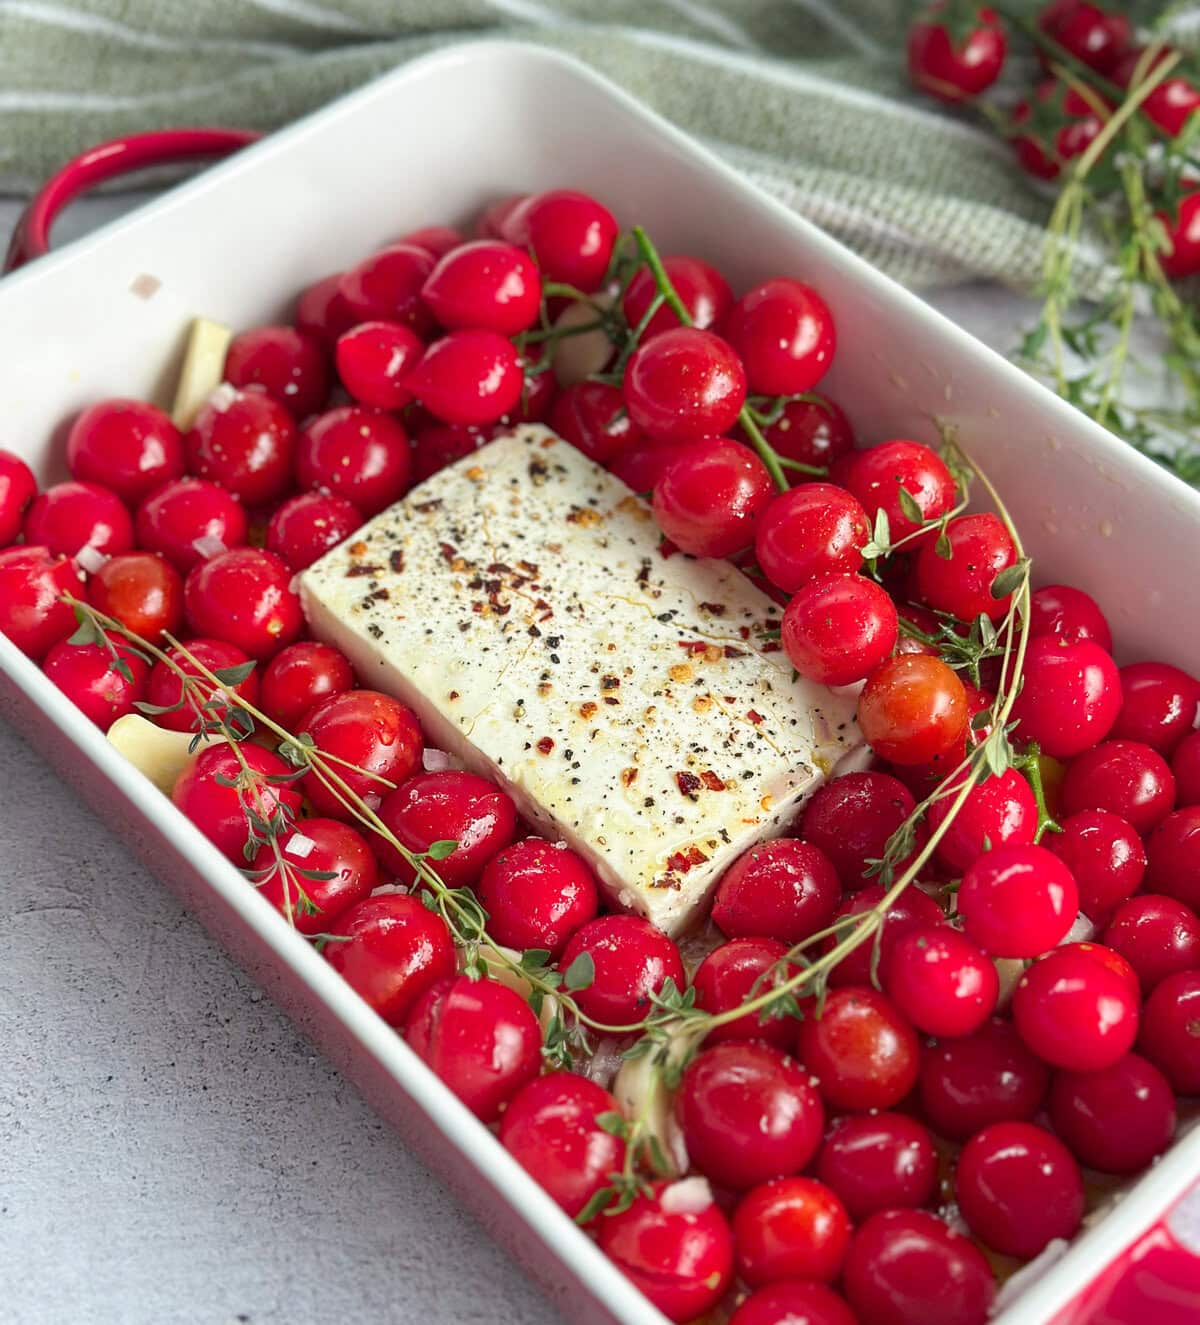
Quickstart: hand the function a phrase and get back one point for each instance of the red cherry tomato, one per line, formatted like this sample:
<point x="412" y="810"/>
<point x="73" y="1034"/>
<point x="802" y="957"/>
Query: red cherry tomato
<point x="878" y="1161"/>
<point x="487" y="284"/>
<point x="631" y="959"/>
<point x="790" y="1228"/>
<point x="814" y="432"/>
<point x="214" y="791"/>
<point x="142" y="591"/>
<point x="374" y="359"/>
<point x="876" y="477"/>
<point x="300" y="677"/>
<point x="447" y="807"/>
<point x="708" y="501"/>
<point x="390" y="949"/>
<point x="439" y="445"/>
<point x="1156" y="935"/>
<point x="244" y="441"/>
<point x="322" y="312"/>
<point x="469" y="377"/>
<point x="386" y="287"/>
<point x="956" y="70"/>
<point x="306" y="526"/>
<point x="839" y="628"/>
<point x="245" y="597"/>
<point x="480" y="1038"/>
<point x="359" y="454"/>
<point x="591" y="416"/>
<point x="684" y="385"/>
<point x="376" y="736"/>
<point x="812" y="530"/>
<point x="570" y="235"/>
<point x="1018" y="1188"/>
<point x="1043" y="154"/>
<point x="785" y="335"/>
<point x="32" y="582"/>
<point x="1104" y="855"/>
<point x="1118" y="1120"/>
<point x="1125" y="777"/>
<point x="1172" y="103"/>
<point x="1075" y="1012"/>
<point x="980" y="549"/>
<point x="126" y="445"/>
<point x="1094" y="36"/>
<point x="644" y="461"/>
<point x="87" y="675"/>
<point x="1072" y="615"/>
<point x="1017" y="900"/>
<point x="748" y="1113"/>
<point x="491" y="221"/>
<point x="166" y="686"/>
<point x="1070" y="696"/>
<point x="730" y="975"/>
<point x="704" y="291"/>
<point x="69" y="517"/>
<point x="913" y="709"/>
<point x="1185" y="768"/>
<point x="1182" y="258"/>
<point x="785" y="889"/>
<point x="862" y="1049"/>
<point x="436" y="240"/>
<point x="1173" y="851"/>
<point x="851" y="818"/>
<point x="794" y="1302"/>
<point x="1159" y="705"/>
<point x="289" y="365"/>
<point x="319" y="846"/>
<point x="1170" y="1034"/>
<point x="18" y="488"/>
<point x="997" y="810"/>
<point x="913" y="909"/>
<point x="942" y="981"/>
<point x="537" y="894"/>
<point x="189" y="520"/>
<point x="550" y="1129"/>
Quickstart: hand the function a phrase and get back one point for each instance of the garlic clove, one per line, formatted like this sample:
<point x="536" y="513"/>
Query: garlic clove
<point x="203" y="368"/>
<point x="577" y="357"/>
<point x="158" y="753"/>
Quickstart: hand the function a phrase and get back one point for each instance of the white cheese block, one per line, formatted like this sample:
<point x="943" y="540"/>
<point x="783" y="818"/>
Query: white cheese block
<point x="636" y="705"/>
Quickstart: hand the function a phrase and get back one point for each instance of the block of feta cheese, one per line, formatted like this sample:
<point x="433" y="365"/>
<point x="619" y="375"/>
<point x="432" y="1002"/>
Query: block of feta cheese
<point x="637" y="706"/>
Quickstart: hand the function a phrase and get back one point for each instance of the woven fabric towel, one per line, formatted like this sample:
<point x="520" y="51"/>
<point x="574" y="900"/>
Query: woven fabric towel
<point x="807" y="97"/>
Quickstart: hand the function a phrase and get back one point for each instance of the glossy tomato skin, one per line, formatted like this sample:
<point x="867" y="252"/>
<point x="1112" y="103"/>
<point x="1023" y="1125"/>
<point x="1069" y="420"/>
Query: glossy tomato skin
<point x="1170" y="1031"/>
<point x="632" y="960"/>
<point x="644" y="461"/>
<point x="217" y="809"/>
<point x="1115" y="1121"/>
<point x="998" y="810"/>
<point x="142" y="591"/>
<point x="185" y="512"/>
<point x="1018" y="900"/>
<point x="1158" y="705"/>
<point x="876" y="476"/>
<point x="550" y="1128"/>
<point x="1182" y="258"/>
<point x="1096" y="36"/>
<point x="862" y="1049"/>
<point x="956" y="72"/>
<point x="681" y="1260"/>
<point x="570" y="235"/>
<point x="245" y="441"/>
<point x="851" y="818"/>
<point x="785" y="889"/>
<point x="301" y="676"/>
<point x="1043" y="153"/>
<point x="320" y="845"/>
<point x="479" y="1037"/>
<point x="85" y="674"/>
<point x="748" y="1114"/>
<point x="359" y="454"/>
<point x="704" y="291"/>
<point x="439" y="445"/>
<point x="166" y="686"/>
<point x="372" y="731"/>
<point x="942" y="981"/>
<point x="728" y="976"/>
<point x="814" y="432"/>
<point x="128" y="445"/>
<point x="1070" y="696"/>
<point x="18" y="488"/>
<point x="373" y="360"/>
<point x="790" y="1228"/>
<point x="1173" y="851"/>
<point x="484" y="283"/>
<point x="436" y="240"/>
<point x="906" y="1267"/>
<point x="289" y="365"/>
<point x="1105" y="856"/>
<point x="1018" y="1188"/>
<point x="839" y="628"/>
<point x="1068" y="613"/>
<point x="709" y="500"/>
<point x="1185" y="767"/>
<point x="245" y="597"/>
<point x="684" y="385"/>
<point x="913" y="709"/>
<point x="1075" y="1012"/>
<point x="447" y="806"/>
<point x="31" y="584"/>
<point x="980" y="549"/>
<point x="470" y="377"/>
<point x="537" y="894"/>
<point x="322" y="312"/>
<point x="970" y="1082"/>
<point x="913" y="909"/>
<point x="69" y="517"/>
<point x="878" y="1161"/>
<point x="1172" y="103"/>
<point x="1156" y="935"/>
<point x="785" y="335"/>
<point x="591" y="416"/>
<point x="386" y="287"/>
<point x="794" y="1302"/>
<point x="306" y="526"/>
<point x="390" y="949"/>
<point x="1125" y="777"/>
<point x="810" y="530"/>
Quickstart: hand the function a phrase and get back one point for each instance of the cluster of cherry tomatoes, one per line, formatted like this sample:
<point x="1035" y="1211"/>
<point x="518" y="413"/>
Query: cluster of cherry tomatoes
<point x="957" y="51"/>
<point x="853" y="1163"/>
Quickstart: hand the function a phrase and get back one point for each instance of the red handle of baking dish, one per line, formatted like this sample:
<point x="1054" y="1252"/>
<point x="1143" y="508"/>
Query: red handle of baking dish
<point x="108" y="161"/>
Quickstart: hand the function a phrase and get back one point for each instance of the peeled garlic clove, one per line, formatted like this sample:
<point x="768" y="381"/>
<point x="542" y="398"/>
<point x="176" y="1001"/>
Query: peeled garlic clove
<point x="504" y="974"/>
<point x="203" y="368"/>
<point x="577" y="357"/>
<point x="641" y="1093"/>
<point x="158" y="753"/>
<point x="1010" y="970"/>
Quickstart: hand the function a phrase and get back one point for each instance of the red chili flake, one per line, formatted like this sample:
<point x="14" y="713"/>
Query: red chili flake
<point x="754" y="717"/>
<point x="730" y="699"/>
<point x="731" y="652"/>
<point x="454" y="694"/>
<point x="711" y="781"/>
<point x="449" y="551"/>
<point x="771" y="646"/>
<point x="609" y="683"/>
<point x="688" y="783"/>
<point x="529" y="566"/>
<point x="692" y="645"/>
<point x="587" y="710"/>
<point x="357" y="549"/>
<point x="545" y="745"/>
<point x="682" y="861"/>
<point x="714" y="609"/>
<point x="744" y="632"/>
<point x="628" y="776"/>
<point x="498" y="568"/>
<point x="356" y="571"/>
<point x="396" y="560"/>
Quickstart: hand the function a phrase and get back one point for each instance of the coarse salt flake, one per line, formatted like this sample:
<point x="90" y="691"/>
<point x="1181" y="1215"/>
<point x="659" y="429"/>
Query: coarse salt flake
<point x="222" y="396"/>
<point x="208" y="545"/>
<point x="90" y="558"/>
<point x="300" y="846"/>
<point x="437" y="761"/>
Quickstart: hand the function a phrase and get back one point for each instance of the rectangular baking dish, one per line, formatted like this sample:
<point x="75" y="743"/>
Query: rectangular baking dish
<point x="433" y="142"/>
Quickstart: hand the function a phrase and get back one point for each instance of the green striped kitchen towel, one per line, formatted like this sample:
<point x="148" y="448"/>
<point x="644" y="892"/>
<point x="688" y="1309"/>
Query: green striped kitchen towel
<point x="808" y="98"/>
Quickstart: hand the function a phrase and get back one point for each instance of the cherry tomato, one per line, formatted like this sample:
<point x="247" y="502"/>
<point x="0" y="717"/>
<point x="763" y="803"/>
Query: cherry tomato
<point x="374" y="359"/>
<point x="550" y="1129"/>
<point x="1070" y="614"/>
<point x="1043" y="154"/>
<point x="980" y="548"/>
<point x="1118" y="1120"/>
<point x="486" y="284"/>
<point x="322" y="312"/>
<point x="906" y="1267"/>
<point x="591" y="416"/>
<point x="376" y="736"/>
<point x="684" y="385"/>
<point x="166" y="686"/>
<point x="319" y="846"/>
<point x="469" y="377"/>
<point x="956" y="70"/>
<point x="71" y="517"/>
<point x="1185" y="768"/>
<point x="972" y="1081"/>
<point x="815" y="431"/>
<point x="876" y="477"/>
<point x="87" y="674"/>
<point x="1094" y="36"/>
<point x="862" y="1049"/>
<point x="1156" y="935"/>
<point x="793" y="1302"/>
<point x="1173" y="851"/>
<point x="570" y="235"/>
<point x="913" y="909"/>
<point x="189" y="520"/>
<point x="1182" y="258"/>
<point x="537" y="894"/>
<point x="436" y="240"/>
<point x="306" y="526"/>
<point x="439" y="445"/>
<point x="492" y="219"/>
<point x="1075" y="1012"/>
<point x="748" y="1113"/>
<point x="644" y="461"/>
<point x="708" y="501"/>
<point x="18" y="488"/>
<point x="214" y="791"/>
<point x="142" y="591"/>
<point x="390" y="950"/>
<point x="1170" y="1034"/>
<point x="1159" y="705"/>
<point x="359" y="454"/>
<point x="245" y="597"/>
<point x="1070" y="696"/>
<point x="839" y="628"/>
<point x="1017" y="900"/>
<point x="447" y="807"/>
<point x="1107" y="957"/>
<point x="1125" y="777"/>
<point x="998" y="810"/>
<point x="289" y="365"/>
<point x="1018" y="1188"/>
<point x="790" y="1228"/>
<point x="386" y="287"/>
<point x="299" y="677"/>
<point x="1104" y="855"/>
<point x="785" y="889"/>
<point x="785" y="335"/>
<point x="631" y="959"/>
<point x="32" y="582"/>
<point x="244" y="441"/>
<point x="677" y="1252"/>
<point x="912" y="709"/>
<point x="126" y="445"/>
<point x="731" y="974"/>
<point x="704" y="291"/>
<point x="812" y="530"/>
<point x="1172" y="103"/>
<point x="942" y="981"/>
<point x="878" y="1161"/>
<point x="851" y="818"/>
<point x="480" y="1038"/>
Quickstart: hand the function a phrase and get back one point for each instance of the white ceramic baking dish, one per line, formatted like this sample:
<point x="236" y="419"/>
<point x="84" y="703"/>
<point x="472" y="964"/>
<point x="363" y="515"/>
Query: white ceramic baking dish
<point x="432" y="142"/>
